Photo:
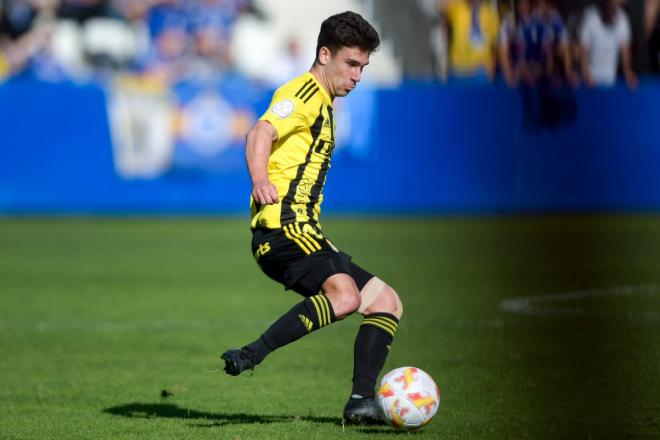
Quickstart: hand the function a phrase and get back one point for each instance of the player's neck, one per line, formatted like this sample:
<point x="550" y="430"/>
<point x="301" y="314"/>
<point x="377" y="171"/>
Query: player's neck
<point x="318" y="73"/>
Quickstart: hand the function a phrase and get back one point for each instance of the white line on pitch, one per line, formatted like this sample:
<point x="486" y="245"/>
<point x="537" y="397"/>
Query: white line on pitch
<point x="546" y="305"/>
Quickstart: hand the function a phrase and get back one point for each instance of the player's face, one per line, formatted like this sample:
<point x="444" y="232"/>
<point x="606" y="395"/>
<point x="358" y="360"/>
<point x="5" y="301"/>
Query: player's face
<point x="344" y="69"/>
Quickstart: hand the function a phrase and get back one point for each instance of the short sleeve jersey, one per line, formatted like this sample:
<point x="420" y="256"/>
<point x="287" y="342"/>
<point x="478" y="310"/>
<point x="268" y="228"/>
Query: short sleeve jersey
<point x="474" y="35"/>
<point x="603" y="43"/>
<point x="301" y="113"/>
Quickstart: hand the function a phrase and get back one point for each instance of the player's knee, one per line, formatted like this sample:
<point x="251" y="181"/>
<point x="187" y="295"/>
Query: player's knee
<point x="398" y="310"/>
<point x="344" y="302"/>
<point x="393" y="302"/>
<point x="351" y="302"/>
<point x="343" y="294"/>
<point x="387" y="301"/>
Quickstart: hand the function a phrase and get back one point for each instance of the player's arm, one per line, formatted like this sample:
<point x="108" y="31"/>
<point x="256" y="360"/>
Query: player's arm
<point x="259" y="144"/>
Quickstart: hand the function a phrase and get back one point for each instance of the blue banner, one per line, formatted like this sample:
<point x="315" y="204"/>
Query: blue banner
<point x="135" y="148"/>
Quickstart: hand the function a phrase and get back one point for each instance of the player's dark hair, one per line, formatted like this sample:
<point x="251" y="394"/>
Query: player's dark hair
<point x="347" y="29"/>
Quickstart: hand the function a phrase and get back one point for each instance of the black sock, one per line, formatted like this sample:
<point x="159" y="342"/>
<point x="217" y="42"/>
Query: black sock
<point x="372" y="345"/>
<point x="305" y="317"/>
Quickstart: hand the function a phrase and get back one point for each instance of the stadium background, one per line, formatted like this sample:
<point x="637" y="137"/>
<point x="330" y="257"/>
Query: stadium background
<point x="124" y="265"/>
<point x="122" y="140"/>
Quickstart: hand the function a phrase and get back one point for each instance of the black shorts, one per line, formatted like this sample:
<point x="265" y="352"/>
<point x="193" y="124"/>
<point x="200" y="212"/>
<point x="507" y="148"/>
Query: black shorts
<point x="299" y="257"/>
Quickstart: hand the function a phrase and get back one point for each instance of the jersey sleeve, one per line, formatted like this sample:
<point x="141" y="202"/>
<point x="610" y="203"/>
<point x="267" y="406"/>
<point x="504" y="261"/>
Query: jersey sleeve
<point x="286" y="113"/>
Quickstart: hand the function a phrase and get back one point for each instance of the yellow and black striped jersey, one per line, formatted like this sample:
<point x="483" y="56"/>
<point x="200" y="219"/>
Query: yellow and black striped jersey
<point x="301" y="112"/>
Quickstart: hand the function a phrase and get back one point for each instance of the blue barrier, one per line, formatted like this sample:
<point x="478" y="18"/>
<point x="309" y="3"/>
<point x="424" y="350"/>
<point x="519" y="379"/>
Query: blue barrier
<point x="430" y="149"/>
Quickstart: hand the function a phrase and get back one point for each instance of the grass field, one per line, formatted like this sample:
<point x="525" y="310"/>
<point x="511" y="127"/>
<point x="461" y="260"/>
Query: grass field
<point x="98" y="317"/>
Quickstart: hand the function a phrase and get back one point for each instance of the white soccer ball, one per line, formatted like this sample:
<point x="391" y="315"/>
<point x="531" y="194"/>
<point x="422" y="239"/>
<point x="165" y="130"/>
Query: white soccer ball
<point x="408" y="398"/>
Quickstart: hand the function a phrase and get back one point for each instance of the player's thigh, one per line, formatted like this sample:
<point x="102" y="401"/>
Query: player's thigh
<point x="300" y="261"/>
<point x="324" y="266"/>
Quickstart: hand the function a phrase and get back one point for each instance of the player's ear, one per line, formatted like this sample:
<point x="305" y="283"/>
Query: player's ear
<point x="324" y="55"/>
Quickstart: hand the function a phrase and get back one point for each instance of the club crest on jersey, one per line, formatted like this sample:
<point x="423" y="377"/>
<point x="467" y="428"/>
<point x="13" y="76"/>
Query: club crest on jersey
<point x="283" y="108"/>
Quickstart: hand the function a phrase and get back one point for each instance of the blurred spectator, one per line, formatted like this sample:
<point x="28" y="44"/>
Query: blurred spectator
<point x="605" y="37"/>
<point x="191" y="40"/>
<point x="473" y="28"/>
<point x="289" y="64"/>
<point x="175" y="40"/>
<point x="210" y="24"/>
<point x="136" y="13"/>
<point x="219" y="14"/>
<point x="511" y="42"/>
<point x="165" y="61"/>
<point x="439" y="46"/>
<point x="16" y="18"/>
<point x="532" y="45"/>
<point x="89" y="35"/>
<point x="555" y="43"/>
<point x="83" y="10"/>
<point x="529" y="44"/>
<point x="168" y="39"/>
<point x="210" y="54"/>
<point x="25" y="29"/>
<point x="652" y="33"/>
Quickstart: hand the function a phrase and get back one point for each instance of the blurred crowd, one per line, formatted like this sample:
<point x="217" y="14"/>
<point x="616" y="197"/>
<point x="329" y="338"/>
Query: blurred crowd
<point x="588" y="42"/>
<point x="169" y="40"/>
<point x="527" y="41"/>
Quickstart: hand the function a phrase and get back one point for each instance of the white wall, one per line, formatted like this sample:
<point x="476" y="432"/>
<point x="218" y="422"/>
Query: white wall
<point x="260" y="48"/>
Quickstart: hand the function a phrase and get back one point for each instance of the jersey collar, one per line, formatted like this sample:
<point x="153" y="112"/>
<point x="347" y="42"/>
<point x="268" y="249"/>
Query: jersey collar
<point x="321" y="88"/>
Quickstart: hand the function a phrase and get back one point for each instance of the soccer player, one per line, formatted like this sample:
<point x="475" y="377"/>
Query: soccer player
<point x="288" y="155"/>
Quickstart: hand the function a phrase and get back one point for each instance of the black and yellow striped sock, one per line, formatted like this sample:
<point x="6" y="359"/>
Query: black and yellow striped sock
<point x="303" y="318"/>
<point x="372" y="345"/>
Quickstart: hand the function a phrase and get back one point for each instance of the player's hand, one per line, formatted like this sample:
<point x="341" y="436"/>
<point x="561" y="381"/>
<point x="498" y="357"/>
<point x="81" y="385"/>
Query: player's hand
<point x="264" y="192"/>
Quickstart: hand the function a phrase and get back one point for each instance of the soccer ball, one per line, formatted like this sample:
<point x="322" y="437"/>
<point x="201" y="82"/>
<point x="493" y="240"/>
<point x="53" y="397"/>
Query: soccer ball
<point x="408" y="398"/>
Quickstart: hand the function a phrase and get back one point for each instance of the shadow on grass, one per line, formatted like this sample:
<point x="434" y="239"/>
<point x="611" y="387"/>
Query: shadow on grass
<point x="210" y="420"/>
<point x="171" y="411"/>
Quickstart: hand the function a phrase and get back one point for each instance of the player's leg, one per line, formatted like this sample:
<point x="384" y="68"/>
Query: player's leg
<point x="382" y="310"/>
<point x="311" y="314"/>
<point x="342" y="292"/>
<point x="327" y="272"/>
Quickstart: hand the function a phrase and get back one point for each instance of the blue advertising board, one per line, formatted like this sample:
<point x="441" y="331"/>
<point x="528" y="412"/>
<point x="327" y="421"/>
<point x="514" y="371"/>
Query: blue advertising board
<point x="70" y="148"/>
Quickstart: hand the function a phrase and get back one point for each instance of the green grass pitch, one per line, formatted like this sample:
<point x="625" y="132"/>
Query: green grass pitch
<point x="98" y="317"/>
